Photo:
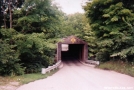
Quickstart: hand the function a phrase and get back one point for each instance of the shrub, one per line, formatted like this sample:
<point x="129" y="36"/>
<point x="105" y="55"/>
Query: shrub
<point x="9" y="61"/>
<point x="35" y="52"/>
<point x="103" y="56"/>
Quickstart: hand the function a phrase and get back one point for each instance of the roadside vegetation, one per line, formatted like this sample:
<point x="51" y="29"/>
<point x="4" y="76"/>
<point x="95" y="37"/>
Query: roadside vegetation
<point x="24" y="79"/>
<point x="30" y="29"/>
<point x="118" y="66"/>
<point x="112" y="29"/>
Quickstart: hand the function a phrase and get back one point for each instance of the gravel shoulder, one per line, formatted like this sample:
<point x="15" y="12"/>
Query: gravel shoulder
<point x="76" y="76"/>
<point x="10" y="86"/>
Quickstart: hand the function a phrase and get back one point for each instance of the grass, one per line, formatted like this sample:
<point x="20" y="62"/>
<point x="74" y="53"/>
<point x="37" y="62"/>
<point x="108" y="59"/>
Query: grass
<point x="26" y="78"/>
<point x="118" y="66"/>
<point x="32" y="77"/>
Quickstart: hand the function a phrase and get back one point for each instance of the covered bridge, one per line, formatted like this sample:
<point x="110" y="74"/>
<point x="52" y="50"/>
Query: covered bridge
<point x="72" y="48"/>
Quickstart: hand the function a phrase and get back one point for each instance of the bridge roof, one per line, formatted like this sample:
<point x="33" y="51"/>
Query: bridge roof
<point x="72" y="40"/>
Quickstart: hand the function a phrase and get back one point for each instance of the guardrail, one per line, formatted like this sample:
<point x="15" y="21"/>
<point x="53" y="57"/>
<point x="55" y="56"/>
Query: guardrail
<point x="55" y="66"/>
<point x="92" y="62"/>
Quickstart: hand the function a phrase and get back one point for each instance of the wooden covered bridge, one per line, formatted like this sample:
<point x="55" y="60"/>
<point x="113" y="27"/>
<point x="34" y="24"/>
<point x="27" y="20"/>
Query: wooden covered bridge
<point x="72" y="48"/>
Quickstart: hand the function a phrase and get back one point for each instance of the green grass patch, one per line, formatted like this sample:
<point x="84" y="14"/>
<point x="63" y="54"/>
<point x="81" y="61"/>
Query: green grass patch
<point x="32" y="77"/>
<point x="26" y="78"/>
<point x="118" y="66"/>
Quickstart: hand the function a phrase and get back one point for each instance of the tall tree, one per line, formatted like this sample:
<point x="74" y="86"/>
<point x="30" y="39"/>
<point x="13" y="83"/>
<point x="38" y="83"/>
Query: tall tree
<point x="73" y="24"/>
<point x="7" y="8"/>
<point x="37" y="16"/>
<point x="31" y="42"/>
<point x="112" y="22"/>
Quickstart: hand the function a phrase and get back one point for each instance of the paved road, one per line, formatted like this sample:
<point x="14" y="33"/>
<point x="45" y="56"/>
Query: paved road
<point x="75" y="76"/>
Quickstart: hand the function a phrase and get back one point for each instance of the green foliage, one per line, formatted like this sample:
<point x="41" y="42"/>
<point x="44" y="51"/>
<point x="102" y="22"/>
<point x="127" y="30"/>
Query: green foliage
<point x="6" y="11"/>
<point x="125" y="52"/>
<point x="7" y="33"/>
<point x="119" y="66"/>
<point x="27" y="78"/>
<point x="9" y="61"/>
<point x="73" y="24"/>
<point x="89" y="37"/>
<point x="102" y="56"/>
<point x="112" y="23"/>
<point x="35" y="51"/>
<point x="31" y="44"/>
<point x="37" y="16"/>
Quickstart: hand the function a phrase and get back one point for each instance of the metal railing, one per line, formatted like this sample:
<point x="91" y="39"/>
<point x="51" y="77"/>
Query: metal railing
<point x="55" y="66"/>
<point x="92" y="62"/>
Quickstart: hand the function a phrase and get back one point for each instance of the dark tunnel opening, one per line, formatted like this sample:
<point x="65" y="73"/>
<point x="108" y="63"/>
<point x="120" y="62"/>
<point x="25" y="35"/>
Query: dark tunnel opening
<point x="75" y="52"/>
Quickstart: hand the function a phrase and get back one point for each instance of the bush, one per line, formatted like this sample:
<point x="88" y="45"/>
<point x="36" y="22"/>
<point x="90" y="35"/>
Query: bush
<point x="103" y="56"/>
<point x="34" y="64"/>
<point x="19" y="51"/>
<point x="9" y="61"/>
<point x="34" y="52"/>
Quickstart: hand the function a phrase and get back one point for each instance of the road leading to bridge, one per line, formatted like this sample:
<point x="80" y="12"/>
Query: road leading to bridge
<point x="75" y="76"/>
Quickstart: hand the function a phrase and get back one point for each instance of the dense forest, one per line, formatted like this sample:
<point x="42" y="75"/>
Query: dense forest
<point x="112" y="22"/>
<point x="30" y="29"/>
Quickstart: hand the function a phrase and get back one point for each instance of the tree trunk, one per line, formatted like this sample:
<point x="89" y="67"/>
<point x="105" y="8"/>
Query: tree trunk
<point x="10" y="13"/>
<point x="5" y="26"/>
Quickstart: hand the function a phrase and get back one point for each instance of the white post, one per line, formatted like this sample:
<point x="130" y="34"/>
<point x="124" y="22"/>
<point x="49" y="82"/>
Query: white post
<point x="43" y="71"/>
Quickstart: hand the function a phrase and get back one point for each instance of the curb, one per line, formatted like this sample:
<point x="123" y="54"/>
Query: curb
<point x="89" y="65"/>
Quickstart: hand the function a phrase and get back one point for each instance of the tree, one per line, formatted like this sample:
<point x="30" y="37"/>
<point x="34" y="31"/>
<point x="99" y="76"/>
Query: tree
<point x="36" y="23"/>
<point x="90" y="38"/>
<point x="112" y="22"/>
<point x="9" y="56"/>
<point x="37" y="16"/>
<point x="7" y="7"/>
<point x="35" y="51"/>
<point x="31" y="43"/>
<point x="73" y="24"/>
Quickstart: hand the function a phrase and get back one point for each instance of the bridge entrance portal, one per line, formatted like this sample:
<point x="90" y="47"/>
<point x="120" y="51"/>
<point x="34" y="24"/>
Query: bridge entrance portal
<point x="74" y="52"/>
<point x="72" y="48"/>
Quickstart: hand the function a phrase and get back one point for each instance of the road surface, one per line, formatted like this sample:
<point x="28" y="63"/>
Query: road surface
<point x="76" y="76"/>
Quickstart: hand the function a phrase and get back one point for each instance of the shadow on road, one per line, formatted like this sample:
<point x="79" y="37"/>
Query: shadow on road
<point x="73" y="62"/>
